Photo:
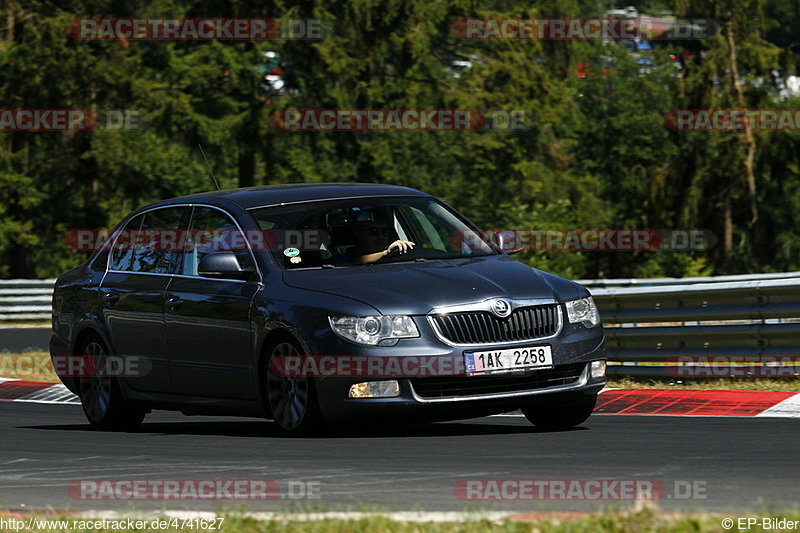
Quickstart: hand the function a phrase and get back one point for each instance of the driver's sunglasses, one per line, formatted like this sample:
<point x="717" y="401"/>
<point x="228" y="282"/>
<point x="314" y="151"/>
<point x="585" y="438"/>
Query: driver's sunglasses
<point x="378" y="230"/>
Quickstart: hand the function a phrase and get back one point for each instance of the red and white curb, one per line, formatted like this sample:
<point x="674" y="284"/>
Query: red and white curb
<point x="20" y="390"/>
<point x="694" y="402"/>
<point x="663" y="402"/>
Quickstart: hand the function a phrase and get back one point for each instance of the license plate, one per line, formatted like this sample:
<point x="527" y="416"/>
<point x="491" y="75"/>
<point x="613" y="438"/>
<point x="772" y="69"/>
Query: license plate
<point x="509" y="360"/>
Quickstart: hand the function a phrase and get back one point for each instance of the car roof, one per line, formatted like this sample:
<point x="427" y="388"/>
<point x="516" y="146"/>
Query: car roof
<point x="265" y="195"/>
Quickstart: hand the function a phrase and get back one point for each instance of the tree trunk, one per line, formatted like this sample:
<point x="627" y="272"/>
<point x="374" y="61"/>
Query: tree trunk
<point x="727" y="225"/>
<point x="749" y="139"/>
<point x="247" y="168"/>
<point x="10" y="21"/>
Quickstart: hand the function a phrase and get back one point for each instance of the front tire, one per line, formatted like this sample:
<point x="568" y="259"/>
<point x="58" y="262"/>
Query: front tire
<point x="101" y="398"/>
<point x="292" y="399"/>
<point x="560" y="412"/>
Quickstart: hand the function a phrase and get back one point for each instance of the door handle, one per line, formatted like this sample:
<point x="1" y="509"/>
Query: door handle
<point x="173" y="302"/>
<point x="110" y="298"/>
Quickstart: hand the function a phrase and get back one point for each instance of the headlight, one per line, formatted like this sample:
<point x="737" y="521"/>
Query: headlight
<point x="373" y="329"/>
<point x="583" y="311"/>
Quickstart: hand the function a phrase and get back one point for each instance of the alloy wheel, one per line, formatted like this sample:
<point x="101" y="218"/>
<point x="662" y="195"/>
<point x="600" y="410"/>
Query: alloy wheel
<point x="288" y="395"/>
<point x="95" y="389"/>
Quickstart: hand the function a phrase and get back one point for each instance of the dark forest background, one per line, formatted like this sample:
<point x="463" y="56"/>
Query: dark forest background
<point x="596" y="155"/>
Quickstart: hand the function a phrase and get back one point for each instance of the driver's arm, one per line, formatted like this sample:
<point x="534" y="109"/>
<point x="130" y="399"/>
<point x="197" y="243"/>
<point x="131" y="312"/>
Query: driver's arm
<point x="398" y="245"/>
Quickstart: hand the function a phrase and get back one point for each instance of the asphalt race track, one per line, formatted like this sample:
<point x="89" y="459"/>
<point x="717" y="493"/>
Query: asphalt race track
<point x="17" y="339"/>
<point x="739" y="463"/>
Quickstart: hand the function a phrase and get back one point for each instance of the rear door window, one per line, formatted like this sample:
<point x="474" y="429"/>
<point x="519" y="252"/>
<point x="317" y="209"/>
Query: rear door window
<point x="150" y="242"/>
<point x="122" y="255"/>
<point x="161" y="234"/>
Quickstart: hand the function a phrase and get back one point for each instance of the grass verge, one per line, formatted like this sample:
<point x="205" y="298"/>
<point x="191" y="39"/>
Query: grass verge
<point x="744" y="383"/>
<point x="32" y="366"/>
<point x="26" y="323"/>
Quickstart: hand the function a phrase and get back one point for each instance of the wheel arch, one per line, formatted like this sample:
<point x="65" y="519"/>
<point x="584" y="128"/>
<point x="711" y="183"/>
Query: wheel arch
<point x="87" y="329"/>
<point x="82" y="332"/>
<point x="275" y="334"/>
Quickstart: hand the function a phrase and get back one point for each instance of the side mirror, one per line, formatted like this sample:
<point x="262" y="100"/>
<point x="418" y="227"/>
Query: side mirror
<point x="508" y="241"/>
<point x="222" y="265"/>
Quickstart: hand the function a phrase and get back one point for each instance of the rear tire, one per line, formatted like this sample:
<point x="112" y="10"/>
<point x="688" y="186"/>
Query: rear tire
<point x="292" y="400"/>
<point x="103" y="404"/>
<point x="561" y="412"/>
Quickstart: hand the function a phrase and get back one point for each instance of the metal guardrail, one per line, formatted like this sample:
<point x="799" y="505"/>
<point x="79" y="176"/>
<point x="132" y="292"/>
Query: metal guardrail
<point x="703" y="327"/>
<point x="26" y="299"/>
<point x="647" y="282"/>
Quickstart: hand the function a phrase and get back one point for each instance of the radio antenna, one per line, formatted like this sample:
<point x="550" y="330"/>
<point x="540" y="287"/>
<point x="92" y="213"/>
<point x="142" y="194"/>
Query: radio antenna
<point x="213" y="177"/>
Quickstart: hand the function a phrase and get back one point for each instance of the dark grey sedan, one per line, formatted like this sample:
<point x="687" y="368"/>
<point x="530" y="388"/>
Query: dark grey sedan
<point x="325" y="303"/>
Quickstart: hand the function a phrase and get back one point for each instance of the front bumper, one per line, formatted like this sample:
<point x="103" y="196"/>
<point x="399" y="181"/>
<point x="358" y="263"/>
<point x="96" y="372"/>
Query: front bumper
<point x="573" y="349"/>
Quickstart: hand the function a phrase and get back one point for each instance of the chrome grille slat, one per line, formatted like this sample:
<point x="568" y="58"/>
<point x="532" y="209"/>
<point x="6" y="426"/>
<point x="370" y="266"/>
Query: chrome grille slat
<point x="483" y="327"/>
<point x="526" y="325"/>
<point x="446" y="327"/>
<point x="549" y="320"/>
<point x="519" y="331"/>
<point x="456" y="327"/>
<point x="473" y="328"/>
<point x="495" y="330"/>
<point x="487" y="324"/>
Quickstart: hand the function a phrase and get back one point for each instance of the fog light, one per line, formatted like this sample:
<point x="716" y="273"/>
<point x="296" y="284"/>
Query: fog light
<point x="598" y="369"/>
<point x="375" y="389"/>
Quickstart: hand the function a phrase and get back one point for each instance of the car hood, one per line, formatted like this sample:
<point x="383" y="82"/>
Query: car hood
<point x="416" y="288"/>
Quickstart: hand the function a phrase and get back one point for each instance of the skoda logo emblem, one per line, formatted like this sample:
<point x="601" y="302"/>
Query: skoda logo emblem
<point x="501" y="308"/>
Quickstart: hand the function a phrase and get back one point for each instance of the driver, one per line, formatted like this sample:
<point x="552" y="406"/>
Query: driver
<point x="372" y="242"/>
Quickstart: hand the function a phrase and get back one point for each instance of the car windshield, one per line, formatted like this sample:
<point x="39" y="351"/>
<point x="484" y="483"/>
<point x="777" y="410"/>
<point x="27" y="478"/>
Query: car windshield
<point x="363" y="231"/>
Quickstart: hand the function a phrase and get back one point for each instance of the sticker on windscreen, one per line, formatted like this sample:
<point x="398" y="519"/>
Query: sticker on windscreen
<point x="291" y="252"/>
<point x="295" y="260"/>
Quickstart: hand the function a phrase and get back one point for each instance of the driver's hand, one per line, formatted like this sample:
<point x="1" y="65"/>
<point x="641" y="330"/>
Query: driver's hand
<point x="400" y="246"/>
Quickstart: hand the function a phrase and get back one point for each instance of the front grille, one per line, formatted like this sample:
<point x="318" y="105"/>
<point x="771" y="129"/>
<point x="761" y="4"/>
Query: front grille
<point x="482" y="327"/>
<point x="444" y="387"/>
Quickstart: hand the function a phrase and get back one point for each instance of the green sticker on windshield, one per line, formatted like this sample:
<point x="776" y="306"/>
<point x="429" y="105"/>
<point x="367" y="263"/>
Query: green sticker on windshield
<point x="291" y="252"/>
